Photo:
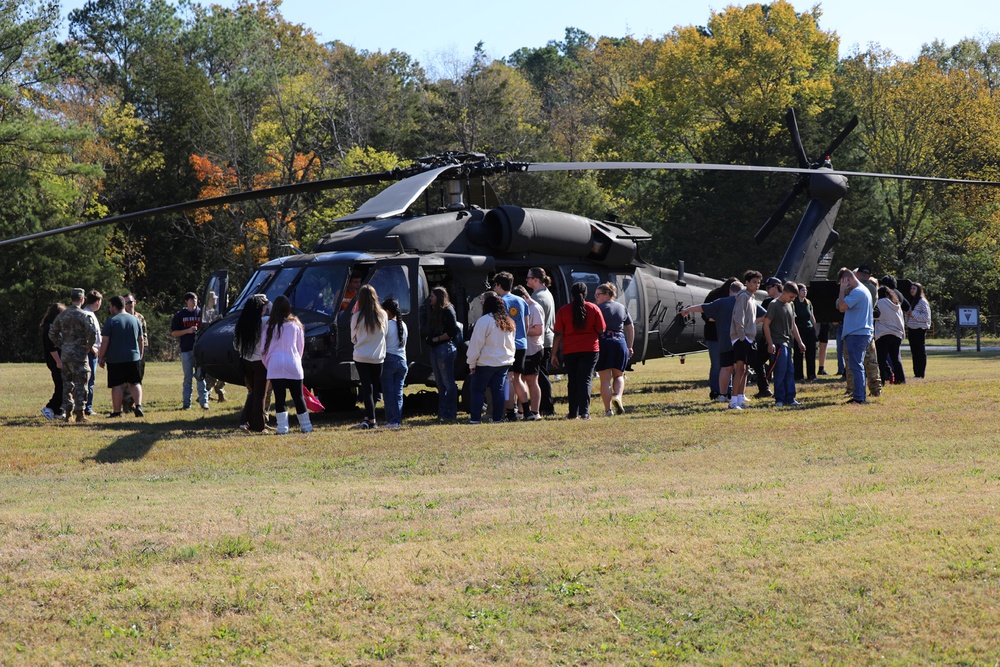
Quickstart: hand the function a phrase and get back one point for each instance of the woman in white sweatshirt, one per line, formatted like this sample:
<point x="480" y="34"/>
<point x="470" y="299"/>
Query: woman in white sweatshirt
<point x="889" y="336"/>
<point x="368" y="329"/>
<point x="490" y="354"/>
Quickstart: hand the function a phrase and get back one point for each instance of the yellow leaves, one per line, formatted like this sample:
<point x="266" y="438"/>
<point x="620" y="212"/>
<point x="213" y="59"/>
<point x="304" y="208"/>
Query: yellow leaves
<point x="738" y="73"/>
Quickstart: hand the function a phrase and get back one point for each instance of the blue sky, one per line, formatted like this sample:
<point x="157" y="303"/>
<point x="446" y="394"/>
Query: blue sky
<point x="438" y="32"/>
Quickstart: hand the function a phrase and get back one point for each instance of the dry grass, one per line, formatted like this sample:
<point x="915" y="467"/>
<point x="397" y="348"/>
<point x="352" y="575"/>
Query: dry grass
<point x="679" y="533"/>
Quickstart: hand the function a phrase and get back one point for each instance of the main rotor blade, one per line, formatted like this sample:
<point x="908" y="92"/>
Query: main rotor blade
<point x="263" y="193"/>
<point x="779" y="213"/>
<point x="851" y="124"/>
<point x="694" y="166"/>
<point x="793" y="128"/>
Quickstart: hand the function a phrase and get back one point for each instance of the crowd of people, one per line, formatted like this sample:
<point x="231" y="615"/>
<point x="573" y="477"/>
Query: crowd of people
<point x="75" y="344"/>
<point x="779" y="337"/>
<point x="509" y="349"/>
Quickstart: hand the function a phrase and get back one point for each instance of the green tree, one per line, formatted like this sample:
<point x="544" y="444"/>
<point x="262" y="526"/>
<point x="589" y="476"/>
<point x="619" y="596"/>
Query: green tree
<point x="918" y="118"/>
<point x="44" y="187"/>
<point x="718" y="93"/>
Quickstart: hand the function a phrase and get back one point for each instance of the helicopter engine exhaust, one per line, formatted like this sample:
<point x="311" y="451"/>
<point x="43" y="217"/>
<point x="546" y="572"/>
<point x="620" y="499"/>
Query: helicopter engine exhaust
<point x="512" y="229"/>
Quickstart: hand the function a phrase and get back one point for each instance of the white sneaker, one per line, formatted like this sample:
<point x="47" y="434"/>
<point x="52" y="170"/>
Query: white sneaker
<point x="609" y="413"/>
<point x="47" y="412"/>
<point x="735" y="406"/>
<point x="744" y="402"/>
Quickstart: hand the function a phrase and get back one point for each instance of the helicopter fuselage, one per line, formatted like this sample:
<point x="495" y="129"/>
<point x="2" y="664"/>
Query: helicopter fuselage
<point x="459" y="250"/>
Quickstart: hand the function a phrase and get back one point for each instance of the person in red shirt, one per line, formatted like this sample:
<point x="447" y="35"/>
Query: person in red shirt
<point x="579" y="325"/>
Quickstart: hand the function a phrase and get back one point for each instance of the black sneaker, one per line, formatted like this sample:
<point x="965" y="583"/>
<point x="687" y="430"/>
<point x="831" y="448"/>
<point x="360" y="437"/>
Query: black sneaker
<point x="137" y="411"/>
<point x="114" y="415"/>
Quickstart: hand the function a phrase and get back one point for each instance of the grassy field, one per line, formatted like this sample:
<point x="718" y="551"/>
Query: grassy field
<point x="679" y="533"/>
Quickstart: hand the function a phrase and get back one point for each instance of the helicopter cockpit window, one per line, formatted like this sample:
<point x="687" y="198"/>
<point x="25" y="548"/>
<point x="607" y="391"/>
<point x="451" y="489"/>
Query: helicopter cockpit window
<point x="253" y="286"/>
<point x="588" y="278"/>
<point x="628" y="292"/>
<point x="315" y="289"/>
<point x="271" y="282"/>
<point x="393" y="281"/>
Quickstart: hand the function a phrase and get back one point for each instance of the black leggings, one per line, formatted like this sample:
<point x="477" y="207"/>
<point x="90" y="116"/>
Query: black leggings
<point x="370" y="375"/>
<point x="294" y="387"/>
<point x="55" y="403"/>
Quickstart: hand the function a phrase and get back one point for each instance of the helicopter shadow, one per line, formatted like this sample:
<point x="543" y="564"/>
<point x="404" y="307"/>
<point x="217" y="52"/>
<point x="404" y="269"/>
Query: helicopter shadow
<point x="140" y="437"/>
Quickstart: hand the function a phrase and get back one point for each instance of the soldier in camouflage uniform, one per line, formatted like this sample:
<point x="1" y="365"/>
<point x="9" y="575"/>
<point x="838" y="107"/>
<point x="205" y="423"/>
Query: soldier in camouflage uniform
<point x="74" y="332"/>
<point x="128" y="403"/>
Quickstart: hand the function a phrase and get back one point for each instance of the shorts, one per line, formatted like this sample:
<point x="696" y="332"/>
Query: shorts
<point x="532" y="362"/>
<point x="823" y="336"/>
<point x="613" y="353"/>
<point x="726" y="359"/>
<point x="745" y="351"/>
<point x="518" y="365"/>
<point x="127" y="372"/>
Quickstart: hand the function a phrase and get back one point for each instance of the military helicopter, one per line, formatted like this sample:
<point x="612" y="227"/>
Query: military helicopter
<point x="440" y="223"/>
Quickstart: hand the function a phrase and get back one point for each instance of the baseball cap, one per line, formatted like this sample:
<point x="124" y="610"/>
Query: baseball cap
<point x="772" y="282"/>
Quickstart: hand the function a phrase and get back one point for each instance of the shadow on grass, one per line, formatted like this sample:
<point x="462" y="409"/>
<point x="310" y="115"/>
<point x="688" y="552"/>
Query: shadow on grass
<point x="142" y="435"/>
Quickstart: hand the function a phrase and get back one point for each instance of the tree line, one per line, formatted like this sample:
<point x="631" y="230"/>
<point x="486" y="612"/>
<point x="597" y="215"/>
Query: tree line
<point x="145" y="103"/>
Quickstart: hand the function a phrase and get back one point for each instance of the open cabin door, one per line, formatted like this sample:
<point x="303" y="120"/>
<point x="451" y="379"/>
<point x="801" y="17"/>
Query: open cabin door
<point x="397" y="277"/>
<point x="214" y="298"/>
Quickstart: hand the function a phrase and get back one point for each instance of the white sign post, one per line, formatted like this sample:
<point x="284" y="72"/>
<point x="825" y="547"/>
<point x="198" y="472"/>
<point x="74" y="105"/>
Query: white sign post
<point x="968" y="316"/>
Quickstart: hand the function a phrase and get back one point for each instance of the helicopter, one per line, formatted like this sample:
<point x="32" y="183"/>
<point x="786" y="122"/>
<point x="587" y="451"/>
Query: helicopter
<point x="440" y="223"/>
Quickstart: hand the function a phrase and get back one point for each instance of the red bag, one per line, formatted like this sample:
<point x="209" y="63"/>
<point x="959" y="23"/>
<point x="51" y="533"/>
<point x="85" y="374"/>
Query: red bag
<point x="312" y="403"/>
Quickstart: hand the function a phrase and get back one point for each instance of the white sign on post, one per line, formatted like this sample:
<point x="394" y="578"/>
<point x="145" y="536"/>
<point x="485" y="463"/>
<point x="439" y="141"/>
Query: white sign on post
<point x="968" y="317"/>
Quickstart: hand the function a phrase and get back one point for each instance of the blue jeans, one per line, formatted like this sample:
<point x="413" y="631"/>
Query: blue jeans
<point x="783" y="375"/>
<point x="393" y="377"/>
<point x="92" y="358"/>
<point x="443" y="363"/>
<point x="187" y="363"/>
<point x="494" y="378"/>
<point x="856" y="345"/>
<point x="713" y="370"/>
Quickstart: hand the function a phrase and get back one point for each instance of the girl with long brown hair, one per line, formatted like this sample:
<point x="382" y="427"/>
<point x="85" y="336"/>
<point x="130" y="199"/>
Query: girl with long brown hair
<point x="442" y="336"/>
<point x="53" y="361"/>
<point x="490" y="354"/>
<point x="369" y="324"/>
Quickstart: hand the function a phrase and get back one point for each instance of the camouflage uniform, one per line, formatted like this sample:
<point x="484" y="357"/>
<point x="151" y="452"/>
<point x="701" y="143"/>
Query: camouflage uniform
<point x="871" y="372"/>
<point x="127" y="401"/>
<point x="74" y="332"/>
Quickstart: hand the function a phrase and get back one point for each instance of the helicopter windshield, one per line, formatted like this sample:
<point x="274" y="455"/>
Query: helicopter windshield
<point x="316" y="289"/>
<point x="270" y="281"/>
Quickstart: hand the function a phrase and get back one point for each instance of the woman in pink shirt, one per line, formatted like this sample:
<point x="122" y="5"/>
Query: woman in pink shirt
<point x="282" y="343"/>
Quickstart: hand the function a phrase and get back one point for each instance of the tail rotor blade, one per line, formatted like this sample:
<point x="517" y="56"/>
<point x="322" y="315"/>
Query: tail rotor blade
<point x="853" y="123"/>
<point x="793" y="128"/>
<point x="779" y="213"/>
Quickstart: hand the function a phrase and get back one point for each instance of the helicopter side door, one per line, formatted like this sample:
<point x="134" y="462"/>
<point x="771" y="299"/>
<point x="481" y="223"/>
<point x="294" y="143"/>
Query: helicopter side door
<point x="630" y="293"/>
<point x="214" y="298"/>
<point x="397" y="277"/>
